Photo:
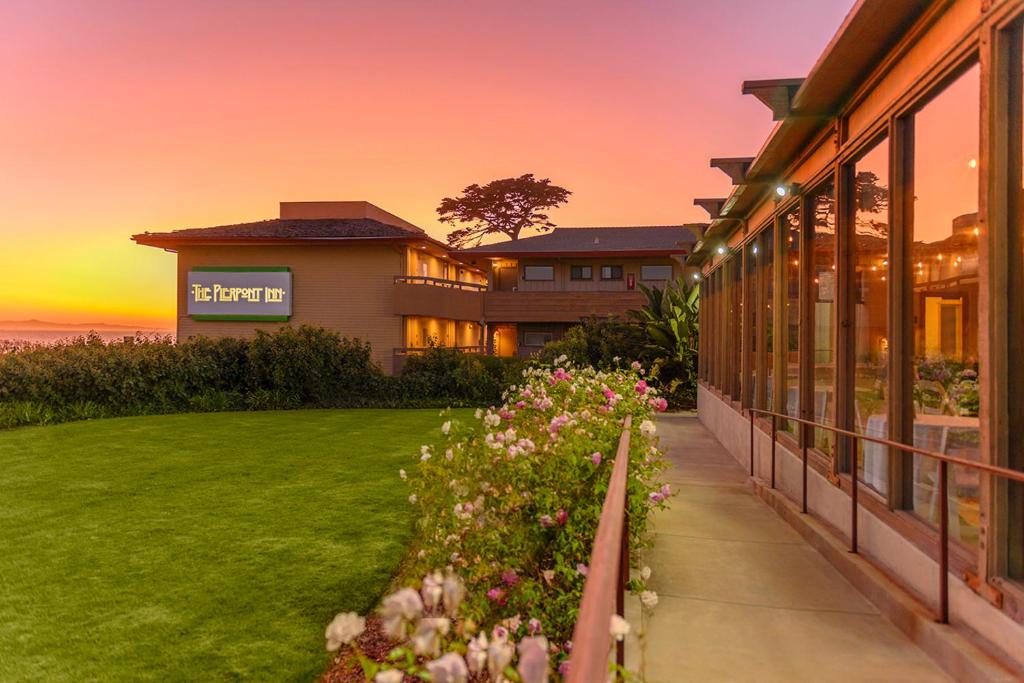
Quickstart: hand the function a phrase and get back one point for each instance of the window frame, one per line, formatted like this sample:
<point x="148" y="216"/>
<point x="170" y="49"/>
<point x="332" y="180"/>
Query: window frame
<point x="644" y="278"/>
<point x="526" y="269"/>
<point x="620" y="276"/>
<point x="588" y="278"/>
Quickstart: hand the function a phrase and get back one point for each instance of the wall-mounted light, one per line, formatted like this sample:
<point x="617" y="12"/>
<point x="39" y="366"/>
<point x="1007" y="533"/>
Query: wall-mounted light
<point x="783" y="190"/>
<point x="696" y="276"/>
<point x="754" y="249"/>
<point x="720" y="250"/>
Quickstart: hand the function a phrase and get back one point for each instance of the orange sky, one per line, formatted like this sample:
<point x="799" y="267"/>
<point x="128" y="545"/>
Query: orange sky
<point x="124" y="116"/>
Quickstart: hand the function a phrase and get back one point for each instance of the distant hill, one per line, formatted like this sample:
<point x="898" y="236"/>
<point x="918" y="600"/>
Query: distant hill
<point x="44" y="325"/>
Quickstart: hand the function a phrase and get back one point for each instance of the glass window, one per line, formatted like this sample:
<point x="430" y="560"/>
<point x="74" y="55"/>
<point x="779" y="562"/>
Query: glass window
<point x="768" y="285"/>
<point x="536" y="338"/>
<point x="944" y="267"/>
<point x="655" y="272"/>
<point x="538" y="272"/>
<point x="611" y="272"/>
<point x="581" y="273"/>
<point x="870" y="246"/>
<point x="751" y="294"/>
<point x="790" y="343"/>
<point x="822" y="314"/>
<point x="736" y="321"/>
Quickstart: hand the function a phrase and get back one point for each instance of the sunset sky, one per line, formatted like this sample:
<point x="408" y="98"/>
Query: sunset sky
<point x="120" y="117"/>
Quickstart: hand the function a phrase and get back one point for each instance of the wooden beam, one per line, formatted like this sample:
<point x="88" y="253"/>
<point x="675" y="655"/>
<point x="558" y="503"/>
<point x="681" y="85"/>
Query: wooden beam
<point x="734" y="167"/>
<point x="776" y="94"/>
<point x="712" y="206"/>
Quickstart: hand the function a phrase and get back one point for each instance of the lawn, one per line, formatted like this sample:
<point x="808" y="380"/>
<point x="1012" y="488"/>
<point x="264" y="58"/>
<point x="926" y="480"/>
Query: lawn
<point x="197" y="547"/>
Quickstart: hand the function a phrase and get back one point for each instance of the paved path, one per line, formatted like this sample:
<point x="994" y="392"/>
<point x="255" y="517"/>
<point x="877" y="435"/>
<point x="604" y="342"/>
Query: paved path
<point x="742" y="597"/>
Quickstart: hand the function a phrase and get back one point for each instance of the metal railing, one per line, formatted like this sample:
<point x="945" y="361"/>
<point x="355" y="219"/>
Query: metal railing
<point x="605" y="588"/>
<point x="944" y="462"/>
<point x="439" y="282"/>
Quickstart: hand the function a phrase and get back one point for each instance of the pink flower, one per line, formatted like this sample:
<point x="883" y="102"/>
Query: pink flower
<point x="520" y="404"/>
<point x="635" y="365"/>
<point x="661" y="405"/>
<point x="563" y="668"/>
<point x="603" y="409"/>
<point x="497" y="595"/>
<point x="608" y="393"/>
<point x="533" y="626"/>
<point x="595" y="458"/>
<point x="656" y="497"/>
<point x="509" y="577"/>
<point x="641" y="387"/>
<point x="546" y="521"/>
<point x="582" y="569"/>
<point x="561" y="517"/>
<point x="666" y="491"/>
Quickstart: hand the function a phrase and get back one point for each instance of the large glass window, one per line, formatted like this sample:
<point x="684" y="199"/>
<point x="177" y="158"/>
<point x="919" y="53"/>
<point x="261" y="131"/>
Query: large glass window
<point x="736" y="319"/>
<point x="538" y="273"/>
<point x="790" y="343"/>
<point x="655" y="272"/>
<point x="768" y="286"/>
<point x="944" y="267"/>
<point x="822" y="314"/>
<point x="869" y="180"/>
<point x="750" y="295"/>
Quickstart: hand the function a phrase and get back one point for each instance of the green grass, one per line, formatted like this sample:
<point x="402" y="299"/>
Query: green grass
<point x="197" y="547"/>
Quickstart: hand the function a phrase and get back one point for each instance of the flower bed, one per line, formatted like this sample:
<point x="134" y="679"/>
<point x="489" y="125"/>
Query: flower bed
<point x="508" y="507"/>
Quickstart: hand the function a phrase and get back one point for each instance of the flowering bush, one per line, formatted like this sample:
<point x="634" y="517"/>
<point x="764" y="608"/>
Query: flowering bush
<point x="510" y="504"/>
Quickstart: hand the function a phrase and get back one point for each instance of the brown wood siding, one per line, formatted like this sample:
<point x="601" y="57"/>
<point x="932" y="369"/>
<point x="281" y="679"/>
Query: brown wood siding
<point x="349" y="289"/>
<point x="439" y="302"/>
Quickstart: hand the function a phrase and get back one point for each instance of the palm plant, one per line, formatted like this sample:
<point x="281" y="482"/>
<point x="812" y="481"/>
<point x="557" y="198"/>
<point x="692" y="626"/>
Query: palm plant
<point x="670" y="319"/>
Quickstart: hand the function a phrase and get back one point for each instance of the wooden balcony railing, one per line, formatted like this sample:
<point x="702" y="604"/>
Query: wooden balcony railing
<point x="605" y="587"/>
<point x="439" y="282"/>
<point x="944" y="461"/>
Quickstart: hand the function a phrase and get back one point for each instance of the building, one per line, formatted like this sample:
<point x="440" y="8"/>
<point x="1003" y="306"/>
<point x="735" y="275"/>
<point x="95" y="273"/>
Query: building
<point x="539" y="286"/>
<point x="865" y="272"/>
<point x="357" y="269"/>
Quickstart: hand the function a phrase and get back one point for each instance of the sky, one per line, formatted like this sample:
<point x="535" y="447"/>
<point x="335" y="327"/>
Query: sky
<point x="120" y="117"/>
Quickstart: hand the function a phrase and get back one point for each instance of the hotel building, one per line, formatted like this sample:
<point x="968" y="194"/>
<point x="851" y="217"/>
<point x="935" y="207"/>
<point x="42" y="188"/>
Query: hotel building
<point x="363" y="272"/>
<point x="866" y="272"/>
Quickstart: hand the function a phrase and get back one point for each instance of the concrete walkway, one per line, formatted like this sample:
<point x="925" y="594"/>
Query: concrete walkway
<point x="742" y="597"/>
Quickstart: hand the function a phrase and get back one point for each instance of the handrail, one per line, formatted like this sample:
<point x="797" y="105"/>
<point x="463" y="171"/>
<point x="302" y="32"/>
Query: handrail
<point x="944" y="462"/>
<point x="405" y="350"/>
<point x="606" y="578"/>
<point x="439" y="282"/>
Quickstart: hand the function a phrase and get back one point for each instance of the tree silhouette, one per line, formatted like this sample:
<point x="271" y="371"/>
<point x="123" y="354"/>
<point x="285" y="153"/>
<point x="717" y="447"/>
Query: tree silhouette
<point x="870" y="197"/>
<point x="506" y="206"/>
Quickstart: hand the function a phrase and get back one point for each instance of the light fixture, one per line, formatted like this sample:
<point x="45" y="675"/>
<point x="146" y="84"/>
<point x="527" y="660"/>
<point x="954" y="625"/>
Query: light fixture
<point x="696" y="276"/>
<point x="721" y="250"/>
<point x="754" y="249"/>
<point x="781" y="190"/>
<point x="973" y="163"/>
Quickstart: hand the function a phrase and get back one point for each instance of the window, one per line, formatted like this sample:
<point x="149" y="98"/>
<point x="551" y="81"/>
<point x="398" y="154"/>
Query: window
<point x="735" y="338"/>
<point x="750" y="294"/>
<point x="1013" y="543"/>
<point x="868" y="178"/>
<point x="790" y="341"/>
<point x="944" y="275"/>
<point x="581" y="273"/>
<point x="822" y="314"/>
<point x="538" y="272"/>
<point x="767" y="279"/>
<point x="611" y="272"/>
<point x="655" y="272"/>
<point x="536" y="338"/>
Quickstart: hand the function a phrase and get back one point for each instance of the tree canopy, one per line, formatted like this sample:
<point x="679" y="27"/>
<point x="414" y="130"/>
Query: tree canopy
<point x="506" y="206"/>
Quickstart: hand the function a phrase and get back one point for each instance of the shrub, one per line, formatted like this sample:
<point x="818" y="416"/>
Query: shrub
<point x="510" y="502"/>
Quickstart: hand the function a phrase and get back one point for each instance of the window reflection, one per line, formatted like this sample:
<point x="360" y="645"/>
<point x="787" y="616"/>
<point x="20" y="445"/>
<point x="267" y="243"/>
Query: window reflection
<point x="871" y="308"/>
<point x="823" y="296"/>
<point x="768" y="284"/>
<point x="790" y="225"/>
<point x="736" y="320"/>
<point x="751" y="294"/>
<point x="944" y="265"/>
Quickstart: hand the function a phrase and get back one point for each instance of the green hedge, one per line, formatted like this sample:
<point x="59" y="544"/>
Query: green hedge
<point x="295" y="367"/>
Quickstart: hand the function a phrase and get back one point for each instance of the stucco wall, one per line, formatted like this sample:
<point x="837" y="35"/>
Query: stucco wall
<point x="343" y="288"/>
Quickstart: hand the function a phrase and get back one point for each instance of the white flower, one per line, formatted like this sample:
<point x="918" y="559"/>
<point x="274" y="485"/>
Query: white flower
<point x="499" y="655"/>
<point x="403" y="475"/>
<point x="476" y="653"/>
<point x="449" y="454"/>
<point x="412" y="499"/>
<point x="649" y="599"/>
<point x="446" y="427"/>
<point x="492" y="419"/>
<point x="453" y="593"/>
<point x="448" y="669"/>
<point x="427" y="639"/>
<point x="533" y="659"/>
<point x="647" y="428"/>
<point x="431" y="590"/>
<point x="343" y="629"/>
<point x="618" y="627"/>
<point x="645" y="573"/>
<point x="399" y="608"/>
<point x="389" y="676"/>
<point x="479" y="413"/>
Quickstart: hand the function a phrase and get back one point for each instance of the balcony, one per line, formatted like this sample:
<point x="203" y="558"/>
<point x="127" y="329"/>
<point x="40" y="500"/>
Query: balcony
<point x="549" y="307"/>
<point x="438" y="298"/>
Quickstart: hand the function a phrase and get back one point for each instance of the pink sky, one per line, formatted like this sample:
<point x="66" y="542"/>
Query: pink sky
<point x="124" y="116"/>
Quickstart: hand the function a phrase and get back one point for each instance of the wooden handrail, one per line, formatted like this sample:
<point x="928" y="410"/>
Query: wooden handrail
<point x="944" y="462"/>
<point x="605" y="586"/>
<point x="438" y="282"/>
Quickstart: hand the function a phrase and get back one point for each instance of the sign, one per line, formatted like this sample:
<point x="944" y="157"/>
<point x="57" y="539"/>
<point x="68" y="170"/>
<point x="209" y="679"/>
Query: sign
<point x="255" y="293"/>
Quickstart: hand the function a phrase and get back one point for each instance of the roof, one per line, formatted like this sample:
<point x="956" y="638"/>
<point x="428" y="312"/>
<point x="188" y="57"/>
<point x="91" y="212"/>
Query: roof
<point x="649" y="239"/>
<point x="285" y="230"/>
<point x="868" y="34"/>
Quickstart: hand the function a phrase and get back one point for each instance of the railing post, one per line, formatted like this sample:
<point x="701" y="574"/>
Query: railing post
<point x="944" y="542"/>
<point x="804" y="441"/>
<point x="620" y="598"/>
<point x="853" y="498"/>
<point x="751" y="443"/>
<point x="773" y="450"/>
